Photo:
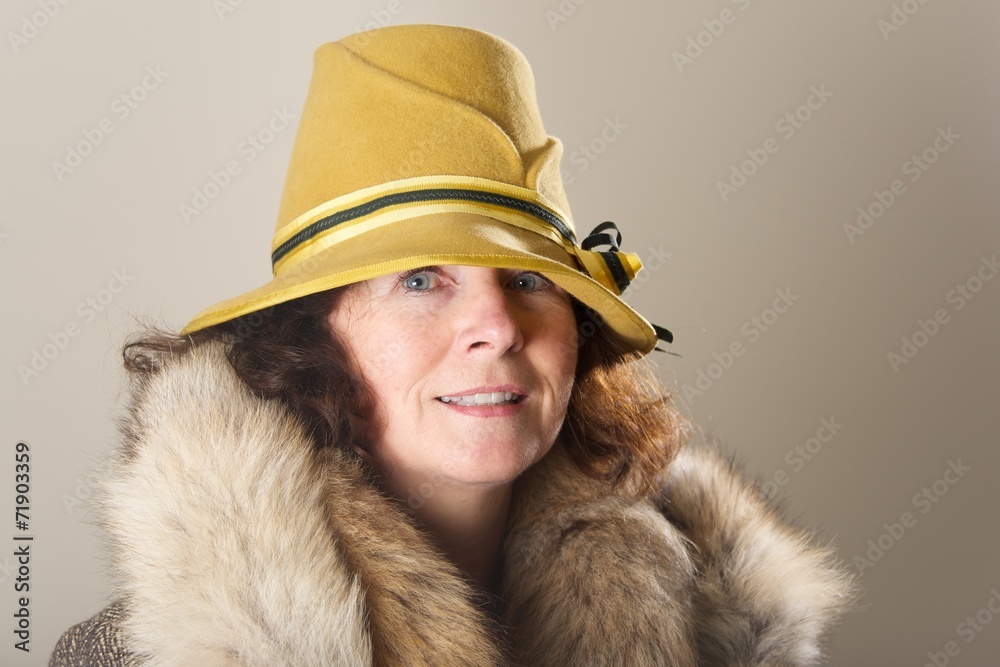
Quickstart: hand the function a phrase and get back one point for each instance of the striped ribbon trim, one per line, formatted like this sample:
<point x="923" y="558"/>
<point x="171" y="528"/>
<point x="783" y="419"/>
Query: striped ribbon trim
<point x="417" y="197"/>
<point x="365" y="210"/>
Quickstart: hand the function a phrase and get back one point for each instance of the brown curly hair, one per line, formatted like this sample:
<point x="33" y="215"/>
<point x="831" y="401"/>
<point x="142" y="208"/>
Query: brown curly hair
<point x="621" y="426"/>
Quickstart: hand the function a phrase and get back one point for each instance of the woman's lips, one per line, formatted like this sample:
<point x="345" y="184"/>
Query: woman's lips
<point x="494" y="401"/>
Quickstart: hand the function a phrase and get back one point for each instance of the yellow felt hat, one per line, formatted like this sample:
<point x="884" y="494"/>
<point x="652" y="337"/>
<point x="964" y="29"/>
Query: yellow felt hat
<point x="421" y="145"/>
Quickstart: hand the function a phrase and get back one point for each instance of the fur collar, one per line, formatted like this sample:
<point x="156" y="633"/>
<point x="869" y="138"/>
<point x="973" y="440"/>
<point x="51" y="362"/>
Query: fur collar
<point x="234" y="542"/>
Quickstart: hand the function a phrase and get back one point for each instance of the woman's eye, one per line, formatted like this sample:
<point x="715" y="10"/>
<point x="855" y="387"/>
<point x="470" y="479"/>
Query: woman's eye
<point x="419" y="281"/>
<point x="529" y="282"/>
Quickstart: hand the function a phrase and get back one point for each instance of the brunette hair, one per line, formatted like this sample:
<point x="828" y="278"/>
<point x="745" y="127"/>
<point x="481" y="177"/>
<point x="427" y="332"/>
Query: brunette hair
<point x="621" y="427"/>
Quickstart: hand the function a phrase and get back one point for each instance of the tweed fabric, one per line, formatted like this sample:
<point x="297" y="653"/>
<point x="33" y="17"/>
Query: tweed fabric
<point x="97" y="642"/>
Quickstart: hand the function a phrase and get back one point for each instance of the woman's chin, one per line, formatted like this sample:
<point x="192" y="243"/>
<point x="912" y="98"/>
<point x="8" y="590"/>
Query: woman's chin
<point x="490" y="464"/>
<point x="457" y="460"/>
<point x="487" y="471"/>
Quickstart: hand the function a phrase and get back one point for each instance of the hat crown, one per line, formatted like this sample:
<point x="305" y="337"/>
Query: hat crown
<point x="419" y="100"/>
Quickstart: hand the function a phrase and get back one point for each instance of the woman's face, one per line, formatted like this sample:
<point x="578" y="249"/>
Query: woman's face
<point x="472" y="368"/>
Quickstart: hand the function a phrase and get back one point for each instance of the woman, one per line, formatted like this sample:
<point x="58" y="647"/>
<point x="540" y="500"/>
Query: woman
<point x="431" y="439"/>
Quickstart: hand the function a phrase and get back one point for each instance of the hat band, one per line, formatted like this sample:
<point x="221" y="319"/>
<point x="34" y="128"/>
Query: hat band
<point x="365" y="210"/>
<point x="419" y="197"/>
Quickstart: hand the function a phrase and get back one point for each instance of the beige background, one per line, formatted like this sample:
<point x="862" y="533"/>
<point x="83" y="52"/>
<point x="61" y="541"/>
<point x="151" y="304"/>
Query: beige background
<point x="669" y="135"/>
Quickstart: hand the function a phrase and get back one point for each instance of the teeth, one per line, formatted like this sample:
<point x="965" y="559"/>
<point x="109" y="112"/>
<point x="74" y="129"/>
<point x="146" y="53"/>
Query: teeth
<point x="488" y="398"/>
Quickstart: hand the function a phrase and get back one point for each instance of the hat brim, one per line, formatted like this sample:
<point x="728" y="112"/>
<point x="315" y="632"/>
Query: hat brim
<point x="437" y="239"/>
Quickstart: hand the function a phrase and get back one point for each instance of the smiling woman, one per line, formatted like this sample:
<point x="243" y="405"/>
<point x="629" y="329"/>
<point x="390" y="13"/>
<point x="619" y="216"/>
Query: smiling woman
<point x="433" y="438"/>
<point x="495" y="345"/>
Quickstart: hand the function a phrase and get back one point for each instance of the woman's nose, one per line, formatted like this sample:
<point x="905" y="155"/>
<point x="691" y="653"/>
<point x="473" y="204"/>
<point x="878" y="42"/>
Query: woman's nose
<point x="488" y="319"/>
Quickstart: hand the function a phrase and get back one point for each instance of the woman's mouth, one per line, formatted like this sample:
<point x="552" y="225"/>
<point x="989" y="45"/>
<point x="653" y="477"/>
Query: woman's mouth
<point x="483" y="398"/>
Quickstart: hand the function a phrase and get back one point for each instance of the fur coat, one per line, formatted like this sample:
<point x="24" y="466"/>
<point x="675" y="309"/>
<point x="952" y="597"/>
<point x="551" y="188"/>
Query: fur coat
<point x="235" y="542"/>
